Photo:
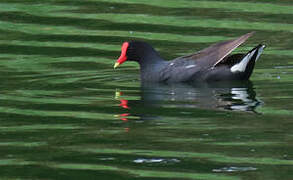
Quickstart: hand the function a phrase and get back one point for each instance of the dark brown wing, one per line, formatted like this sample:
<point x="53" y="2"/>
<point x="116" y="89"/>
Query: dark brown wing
<point x="231" y="60"/>
<point x="214" y="54"/>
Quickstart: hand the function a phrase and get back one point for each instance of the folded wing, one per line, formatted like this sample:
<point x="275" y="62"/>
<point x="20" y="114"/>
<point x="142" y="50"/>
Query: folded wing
<point x="214" y="54"/>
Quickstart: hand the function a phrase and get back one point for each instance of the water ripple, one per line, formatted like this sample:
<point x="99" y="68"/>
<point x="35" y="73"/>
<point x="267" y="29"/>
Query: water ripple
<point x="234" y="169"/>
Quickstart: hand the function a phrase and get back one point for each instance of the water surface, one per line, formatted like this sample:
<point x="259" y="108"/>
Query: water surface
<point x="66" y="114"/>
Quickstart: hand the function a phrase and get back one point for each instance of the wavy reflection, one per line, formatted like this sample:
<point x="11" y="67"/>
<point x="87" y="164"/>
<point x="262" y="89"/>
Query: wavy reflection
<point x="238" y="96"/>
<point x="123" y="104"/>
<point x="231" y="96"/>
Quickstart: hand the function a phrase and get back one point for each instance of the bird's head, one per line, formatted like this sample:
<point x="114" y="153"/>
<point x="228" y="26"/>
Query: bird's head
<point x="135" y="51"/>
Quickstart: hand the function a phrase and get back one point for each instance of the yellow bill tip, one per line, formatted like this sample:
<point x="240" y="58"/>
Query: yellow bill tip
<point x="116" y="65"/>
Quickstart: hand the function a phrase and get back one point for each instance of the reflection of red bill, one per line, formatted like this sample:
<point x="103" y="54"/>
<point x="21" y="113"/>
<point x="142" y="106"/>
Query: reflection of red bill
<point x="124" y="115"/>
<point x="124" y="104"/>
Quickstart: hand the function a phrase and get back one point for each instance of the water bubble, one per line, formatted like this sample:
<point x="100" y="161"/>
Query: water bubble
<point x="155" y="160"/>
<point x="107" y="159"/>
<point x="234" y="169"/>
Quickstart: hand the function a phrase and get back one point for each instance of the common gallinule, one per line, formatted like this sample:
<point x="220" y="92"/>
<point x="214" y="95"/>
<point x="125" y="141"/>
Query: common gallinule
<point x="214" y="63"/>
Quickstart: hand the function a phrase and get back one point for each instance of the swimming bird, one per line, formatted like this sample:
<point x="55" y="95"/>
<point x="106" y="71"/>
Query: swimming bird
<point x="214" y="63"/>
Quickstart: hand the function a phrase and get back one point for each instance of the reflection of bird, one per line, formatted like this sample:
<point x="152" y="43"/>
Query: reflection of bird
<point x="123" y="104"/>
<point x="238" y="96"/>
<point x="211" y="64"/>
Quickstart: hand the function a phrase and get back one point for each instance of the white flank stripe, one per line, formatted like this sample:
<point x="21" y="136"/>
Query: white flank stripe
<point x="190" y="66"/>
<point x="240" y="67"/>
<point x="259" y="52"/>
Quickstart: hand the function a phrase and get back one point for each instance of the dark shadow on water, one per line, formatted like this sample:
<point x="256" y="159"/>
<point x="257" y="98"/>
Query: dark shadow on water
<point x="171" y="99"/>
<point x="239" y="96"/>
<point x="53" y="51"/>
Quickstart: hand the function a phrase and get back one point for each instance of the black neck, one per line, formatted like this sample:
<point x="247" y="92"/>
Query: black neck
<point x="151" y="60"/>
<point x="144" y="54"/>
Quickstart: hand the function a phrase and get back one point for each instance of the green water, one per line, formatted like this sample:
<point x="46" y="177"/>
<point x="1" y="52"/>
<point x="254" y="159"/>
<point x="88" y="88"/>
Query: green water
<point x="66" y="114"/>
